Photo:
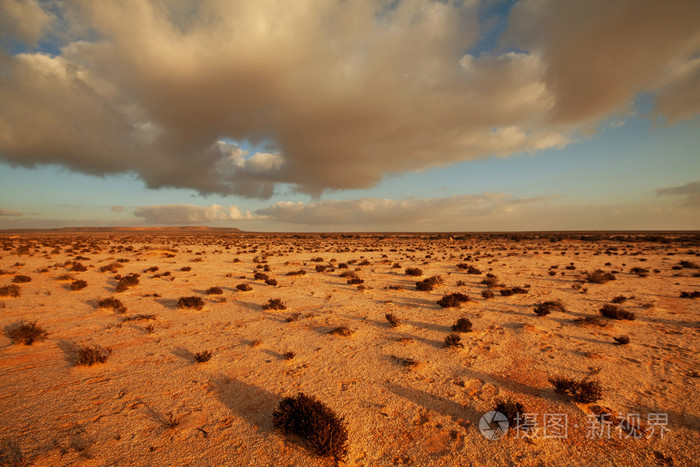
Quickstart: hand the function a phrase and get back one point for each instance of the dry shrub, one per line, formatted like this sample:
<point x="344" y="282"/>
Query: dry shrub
<point x="201" y="357"/>
<point x="78" y="285"/>
<point x="453" y="300"/>
<point x="615" y="312"/>
<point x="304" y="416"/>
<point x="190" y="302"/>
<point x="430" y="283"/>
<point x="21" y="279"/>
<point x="453" y="340"/>
<point x="545" y="308"/>
<point x="274" y="304"/>
<point x="9" y="291"/>
<point x="462" y="325"/>
<point x="341" y="331"/>
<point x="393" y="319"/>
<point x="113" y="303"/>
<point x="414" y="272"/>
<point x="599" y="277"/>
<point x="127" y="281"/>
<point x="214" y="291"/>
<point x="244" y="287"/>
<point x="584" y="390"/>
<point x="91" y="354"/>
<point x="512" y="409"/>
<point x="26" y="333"/>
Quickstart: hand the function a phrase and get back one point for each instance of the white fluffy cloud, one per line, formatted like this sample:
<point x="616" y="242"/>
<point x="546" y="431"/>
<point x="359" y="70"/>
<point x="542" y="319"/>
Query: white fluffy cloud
<point x="341" y="93"/>
<point x="183" y="214"/>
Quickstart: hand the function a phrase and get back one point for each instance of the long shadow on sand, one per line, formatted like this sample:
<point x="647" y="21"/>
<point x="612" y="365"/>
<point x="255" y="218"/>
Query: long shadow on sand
<point x="247" y="401"/>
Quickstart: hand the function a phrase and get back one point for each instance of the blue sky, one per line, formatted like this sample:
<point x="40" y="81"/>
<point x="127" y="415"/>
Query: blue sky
<point x="345" y="150"/>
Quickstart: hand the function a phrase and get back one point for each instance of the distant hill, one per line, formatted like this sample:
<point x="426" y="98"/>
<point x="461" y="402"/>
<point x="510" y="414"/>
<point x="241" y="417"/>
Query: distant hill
<point x="183" y="230"/>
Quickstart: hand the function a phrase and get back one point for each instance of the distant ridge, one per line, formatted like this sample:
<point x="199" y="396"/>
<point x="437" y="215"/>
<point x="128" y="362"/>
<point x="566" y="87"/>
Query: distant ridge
<point x="182" y="230"/>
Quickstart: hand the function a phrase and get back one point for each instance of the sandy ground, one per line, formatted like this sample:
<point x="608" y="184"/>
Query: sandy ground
<point x="54" y="412"/>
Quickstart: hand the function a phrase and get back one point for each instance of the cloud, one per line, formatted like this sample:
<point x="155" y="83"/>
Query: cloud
<point x="8" y="212"/>
<point x="419" y="212"/>
<point x="690" y="192"/>
<point x="117" y="208"/>
<point x="599" y="54"/>
<point x="23" y="20"/>
<point x="338" y="94"/>
<point x="189" y="214"/>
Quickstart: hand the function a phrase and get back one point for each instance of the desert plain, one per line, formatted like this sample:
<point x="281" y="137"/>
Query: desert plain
<point x="404" y="395"/>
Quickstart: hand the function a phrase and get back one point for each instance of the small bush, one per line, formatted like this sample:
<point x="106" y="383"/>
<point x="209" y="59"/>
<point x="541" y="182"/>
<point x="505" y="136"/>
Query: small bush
<point x="615" y="312"/>
<point x="619" y="299"/>
<point x="91" y="354"/>
<point x="429" y="283"/>
<point x="693" y="294"/>
<point x="21" y="279"/>
<point x="453" y="340"/>
<point x="545" y="308"/>
<point x="113" y="303"/>
<point x="259" y="276"/>
<point x="512" y="409"/>
<point x="300" y="272"/>
<point x="341" y="331"/>
<point x="214" y="291"/>
<point x="599" y="277"/>
<point x="9" y="291"/>
<point x="186" y="268"/>
<point x="462" y="325"/>
<point x="203" y="356"/>
<point x="453" y="300"/>
<point x="395" y="321"/>
<point x="26" y="333"/>
<point x="622" y="340"/>
<point x="289" y="355"/>
<point x="413" y="272"/>
<point x="190" y="302"/>
<point x="320" y="268"/>
<point x="78" y="285"/>
<point x="274" y="304"/>
<point x="271" y="281"/>
<point x="584" y="390"/>
<point x="324" y="431"/>
<point x="293" y="317"/>
<point x="355" y="280"/>
<point x="487" y="294"/>
<point x="244" y="287"/>
<point x="127" y="281"/>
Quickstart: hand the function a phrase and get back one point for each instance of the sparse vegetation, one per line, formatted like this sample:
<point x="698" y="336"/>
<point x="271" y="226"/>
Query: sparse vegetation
<point x="462" y="325"/>
<point x="545" y="308"/>
<point x="622" y="340"/>
<point x="203" y="356"/>
<point x="127" y="281"/>
<point x="78" y="285"/>
<point x="26" y="333"/>
<point x="113" y="303"/>
<point x="512" y="409"/>
<point x="274" y="304"/>
<point x="393" y="320"/>
<point x="191" y="302"/>
<point x="214" y="291"/>
<point x="92" y="354"/>
<point x="11" y="290"/>
<point x="414" y="272"/>
<point x="600" y="277"/>
<point x="453" y="340"/>
<point x="21" y="279"/>
<point x="583" y="391"/>
<point x="615" y="312"/>
<point x="453" y="300"/>
<point x="244" y="287"/>
<point x="341" y="331"/>
<point x="304" y="416"/>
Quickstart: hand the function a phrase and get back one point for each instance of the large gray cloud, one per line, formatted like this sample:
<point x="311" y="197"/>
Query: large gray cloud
<point x="690" y="192"/>
<point x="343" y="93"/>
<point x="184" y="214"/>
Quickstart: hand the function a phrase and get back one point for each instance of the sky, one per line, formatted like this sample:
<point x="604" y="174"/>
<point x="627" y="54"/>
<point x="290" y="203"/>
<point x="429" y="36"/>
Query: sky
<point x="362" y="115"/>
